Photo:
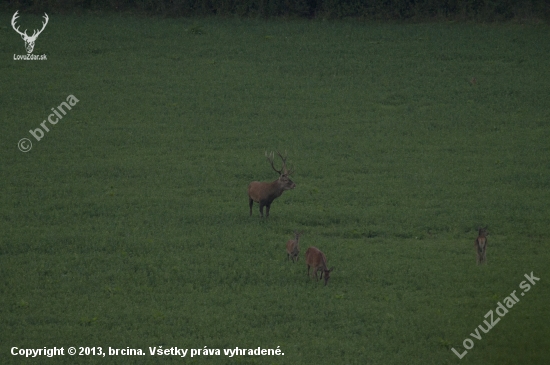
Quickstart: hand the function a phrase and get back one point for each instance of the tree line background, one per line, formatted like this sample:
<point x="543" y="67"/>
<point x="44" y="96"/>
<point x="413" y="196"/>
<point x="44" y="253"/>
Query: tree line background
<point x="484" y="10"/>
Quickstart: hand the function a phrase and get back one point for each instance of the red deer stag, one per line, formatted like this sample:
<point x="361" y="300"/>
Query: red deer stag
<point x="480" y="245"/>
<point x="318" y="261"/>
<point x="264" y="193"/>
<point x="293" y="248"/>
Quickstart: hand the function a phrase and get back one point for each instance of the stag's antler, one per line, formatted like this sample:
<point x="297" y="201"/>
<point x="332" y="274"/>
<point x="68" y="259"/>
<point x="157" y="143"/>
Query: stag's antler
<point x="270" y="158"/>
<point x="43" y="26"/>
<point x="283" y="170"/>
<point x="13" y="19"/>
<point x="286" y="171"/>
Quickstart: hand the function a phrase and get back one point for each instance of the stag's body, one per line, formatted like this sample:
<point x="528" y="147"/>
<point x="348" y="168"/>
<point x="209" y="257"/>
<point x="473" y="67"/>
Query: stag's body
<point x="480" y="245"/>
<point x="318" y="261"/>
<point x="293" y="247"/>
<point x="264" y="193"/>
<point x="29" y="40"/>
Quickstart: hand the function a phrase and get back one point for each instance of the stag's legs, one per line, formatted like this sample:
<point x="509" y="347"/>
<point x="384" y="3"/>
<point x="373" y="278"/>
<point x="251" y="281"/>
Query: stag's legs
<point x="250" y="203"/>
<point x="267" y="210"/>
<point x="261" y="209"/>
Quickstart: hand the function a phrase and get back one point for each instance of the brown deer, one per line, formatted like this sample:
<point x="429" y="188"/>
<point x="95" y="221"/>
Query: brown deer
<point x="318" y="261"/>
<point x="293" y="248"/>
<point x="264" y="192"/>
<point x="480" y="245"/>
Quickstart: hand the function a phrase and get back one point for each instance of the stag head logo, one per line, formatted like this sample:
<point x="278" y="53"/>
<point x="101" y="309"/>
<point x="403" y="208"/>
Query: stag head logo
<point x="29" y="41"/>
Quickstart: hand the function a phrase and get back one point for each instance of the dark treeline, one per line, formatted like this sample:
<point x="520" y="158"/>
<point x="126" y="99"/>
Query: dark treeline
<point x="482" y="10"/>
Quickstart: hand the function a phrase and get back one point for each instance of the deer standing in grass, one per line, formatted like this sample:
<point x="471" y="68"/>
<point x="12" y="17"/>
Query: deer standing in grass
<point x="480" y="245"/>
<point x="318" y="261"/>
<point x="293" y="248"/>
<point x="264" y="192"/>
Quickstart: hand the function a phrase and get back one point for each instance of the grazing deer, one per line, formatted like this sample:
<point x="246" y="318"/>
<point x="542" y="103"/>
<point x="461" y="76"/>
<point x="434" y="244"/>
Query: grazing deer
<point x="480" y="245"/>
<point x="29" y="41"/>
<point x="293" y="248"/>
<point x="264" y="192"/>
<point x="318" y="261"/>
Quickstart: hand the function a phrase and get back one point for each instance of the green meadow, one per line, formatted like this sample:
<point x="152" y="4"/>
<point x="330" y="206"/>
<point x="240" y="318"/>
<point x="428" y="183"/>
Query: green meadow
<point x="127" y="224"/>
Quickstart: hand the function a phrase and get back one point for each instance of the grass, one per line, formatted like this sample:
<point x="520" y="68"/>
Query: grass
<point x="127" y="224"/>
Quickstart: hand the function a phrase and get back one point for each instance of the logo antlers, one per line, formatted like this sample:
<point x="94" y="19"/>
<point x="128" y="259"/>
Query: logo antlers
<point x="29" y="41"/>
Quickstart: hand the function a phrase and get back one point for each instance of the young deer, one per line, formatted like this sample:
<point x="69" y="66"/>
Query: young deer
<point x="480" y="245"/>
<point x="293" y="248"/>
<point x="318" y="261"/>
<point x="264" y="192"/>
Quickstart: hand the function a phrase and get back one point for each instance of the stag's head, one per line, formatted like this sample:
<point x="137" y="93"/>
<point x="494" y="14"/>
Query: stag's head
<point x="284" y="180"/>
<point x="29" y="40"/>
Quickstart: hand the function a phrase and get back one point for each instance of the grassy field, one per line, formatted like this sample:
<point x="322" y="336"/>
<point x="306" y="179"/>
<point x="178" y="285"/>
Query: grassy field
<point x="127" y="224"/>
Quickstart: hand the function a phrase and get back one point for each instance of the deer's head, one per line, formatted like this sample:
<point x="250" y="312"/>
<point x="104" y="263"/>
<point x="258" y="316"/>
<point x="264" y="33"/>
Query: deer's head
<point x="284" y="181"/>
